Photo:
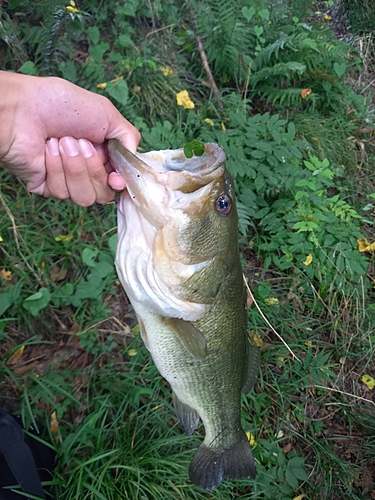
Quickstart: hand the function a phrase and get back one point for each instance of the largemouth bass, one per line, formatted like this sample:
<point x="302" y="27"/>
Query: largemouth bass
<point x="178" y="261"/>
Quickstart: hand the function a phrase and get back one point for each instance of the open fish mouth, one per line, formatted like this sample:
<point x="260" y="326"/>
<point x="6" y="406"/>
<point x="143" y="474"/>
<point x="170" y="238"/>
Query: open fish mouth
<point x="165" y="192"/>
<point x="169" y="167"/>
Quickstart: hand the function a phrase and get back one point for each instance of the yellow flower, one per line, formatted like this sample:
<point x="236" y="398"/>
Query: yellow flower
<point x="369" y="381"/>
<point x="16" y="355"/>
<point x="365" y="246"/>
<point x="209" y="121"/>
<point x="223" y="127"/>
<point x="1" y="239"/>
<point x="167" y="71"/>
<point x="251" y="439"/>
<point x="54" y="423"/>
<point x="271" y="301"/>
<point x="183" y="99"/>
<point x="255" y="338"/>
<point x="71" y="9"/>
<point x="327" y="18"/>
<point x="102" y="85"/>
<point x="132" y="352"/>
<point x="308" y="260"/>
<point x="64" y="237"/>
<point x="72" y="3"/>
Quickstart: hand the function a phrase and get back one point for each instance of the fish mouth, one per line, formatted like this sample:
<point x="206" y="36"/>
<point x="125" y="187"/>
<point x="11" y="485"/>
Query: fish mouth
<point x="169" y="167"/>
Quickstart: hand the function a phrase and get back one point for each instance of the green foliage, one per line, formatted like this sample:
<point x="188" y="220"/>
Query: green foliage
<point x="297" y="178"/>
<point x="193" y="148"/>
<point x="288" y="201"/>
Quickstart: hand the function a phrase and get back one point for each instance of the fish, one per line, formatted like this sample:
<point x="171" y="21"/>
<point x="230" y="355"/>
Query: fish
<point x="178" y="260"/>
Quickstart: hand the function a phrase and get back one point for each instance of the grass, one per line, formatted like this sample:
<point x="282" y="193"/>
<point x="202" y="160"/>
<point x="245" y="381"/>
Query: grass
<point x="311" y="416"/>
<point x="118" y="436"/>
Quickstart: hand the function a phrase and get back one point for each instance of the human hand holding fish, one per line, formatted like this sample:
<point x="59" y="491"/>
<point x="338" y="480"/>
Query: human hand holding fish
<point x="178" y="261"/>
<point x="55" y="138"/>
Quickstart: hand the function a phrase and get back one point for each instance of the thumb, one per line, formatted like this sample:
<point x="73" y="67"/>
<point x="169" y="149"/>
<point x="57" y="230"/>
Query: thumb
<point x="119" y="128"/>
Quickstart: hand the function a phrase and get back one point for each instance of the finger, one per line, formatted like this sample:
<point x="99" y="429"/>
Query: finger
<point x="55" y="186"/>
<point x="77" y="176"/>
<point x="97" y="172"/>
<point x="101" y="149"/>
<point x="116" y="181"/>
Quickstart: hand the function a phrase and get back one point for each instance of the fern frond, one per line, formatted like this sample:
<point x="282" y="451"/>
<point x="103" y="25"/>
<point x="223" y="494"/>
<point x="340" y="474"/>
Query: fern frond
<point x="280" y="69"/>
<point x="287" y="97"/>
<point x="52" y="51"/>
<point x="272" y="50"/>
<point x="244" y="217"/>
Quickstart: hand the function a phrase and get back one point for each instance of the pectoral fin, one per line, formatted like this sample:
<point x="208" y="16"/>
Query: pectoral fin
<point x="252" y="368"/>
<point x="187" y="416"/>
<point x="191" y="338"/>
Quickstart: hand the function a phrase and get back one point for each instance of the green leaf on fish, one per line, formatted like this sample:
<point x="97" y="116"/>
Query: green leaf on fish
<point x="192" y="148"/>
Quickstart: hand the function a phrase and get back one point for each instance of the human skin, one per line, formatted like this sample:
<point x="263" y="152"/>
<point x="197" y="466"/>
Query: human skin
<point x="53" y="137"/>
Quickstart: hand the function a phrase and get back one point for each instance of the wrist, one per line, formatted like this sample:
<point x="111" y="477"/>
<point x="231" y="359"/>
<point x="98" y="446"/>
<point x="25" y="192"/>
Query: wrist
<point x="13" y="92"/>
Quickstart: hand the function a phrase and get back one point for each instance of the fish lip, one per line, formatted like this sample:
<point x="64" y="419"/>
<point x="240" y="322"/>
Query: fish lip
<point x="115" y="147"/>
<point x="215" y="157"/>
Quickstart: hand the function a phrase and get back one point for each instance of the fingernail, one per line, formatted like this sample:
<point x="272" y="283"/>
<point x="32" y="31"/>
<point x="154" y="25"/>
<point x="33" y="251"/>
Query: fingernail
<point x="85" y="147"/>
<point x="70" y="146"/>
<point x="53" y="146"/>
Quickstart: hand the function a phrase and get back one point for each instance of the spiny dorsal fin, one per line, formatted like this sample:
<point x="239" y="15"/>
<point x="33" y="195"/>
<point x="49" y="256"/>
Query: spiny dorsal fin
<point x="191" y="338"/>
<point x="253" y="362"/>
<point x="188" y="417"/>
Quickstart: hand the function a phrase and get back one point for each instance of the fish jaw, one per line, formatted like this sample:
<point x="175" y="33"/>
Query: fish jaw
<point x="139" y="276"/>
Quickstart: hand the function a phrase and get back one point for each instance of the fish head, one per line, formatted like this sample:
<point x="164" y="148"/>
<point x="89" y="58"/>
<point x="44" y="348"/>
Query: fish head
<point x="178" y="221"/>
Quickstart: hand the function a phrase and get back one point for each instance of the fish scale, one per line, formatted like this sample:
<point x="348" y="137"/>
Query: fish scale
<point x="201" y="348"/>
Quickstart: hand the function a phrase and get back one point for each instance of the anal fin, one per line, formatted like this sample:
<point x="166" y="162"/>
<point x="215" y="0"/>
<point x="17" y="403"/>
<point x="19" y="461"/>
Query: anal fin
<point x="253" y="363"/>
<point x="188" y="417"/>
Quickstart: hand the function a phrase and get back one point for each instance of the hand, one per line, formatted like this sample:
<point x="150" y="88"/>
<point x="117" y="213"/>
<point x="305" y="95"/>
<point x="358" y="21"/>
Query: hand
<point x="55" y="138"/>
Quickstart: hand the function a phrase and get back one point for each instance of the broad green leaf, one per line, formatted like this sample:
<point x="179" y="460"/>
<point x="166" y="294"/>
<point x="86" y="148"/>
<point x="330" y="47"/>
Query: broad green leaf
<point x="37" y="301"/>
<point x="94" y="34"/>
<point x="291" y="130"/>
<point x="88" y="256"/>
<point x="28" y="68"/>
<point x="68" y="70"/>
<point x="339" y="69"/>
<point x="264" y="14"/>
<point x="98" y="51"/>
<point x="124" y="41"/>
<point x="264" y="289"/>
<point x="118" y="90"/>
<point x="248" y="13"/>
<point x="9" y="296"/>
<point x="291" y="479"/>
<point x="193" y="148"/>
<point x="258" y="30"/>
<point x="112" y="243"/>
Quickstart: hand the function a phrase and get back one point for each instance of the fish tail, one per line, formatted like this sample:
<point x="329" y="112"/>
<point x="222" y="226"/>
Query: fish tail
<point x="211" y="465"/>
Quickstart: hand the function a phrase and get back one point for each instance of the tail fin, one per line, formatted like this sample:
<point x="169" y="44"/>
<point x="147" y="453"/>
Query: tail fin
<point x="211" y="465"/>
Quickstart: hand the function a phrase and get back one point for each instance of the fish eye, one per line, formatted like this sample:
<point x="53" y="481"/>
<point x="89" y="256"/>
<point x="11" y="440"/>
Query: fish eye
<point x="223" y="204"/>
